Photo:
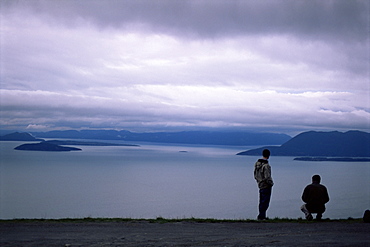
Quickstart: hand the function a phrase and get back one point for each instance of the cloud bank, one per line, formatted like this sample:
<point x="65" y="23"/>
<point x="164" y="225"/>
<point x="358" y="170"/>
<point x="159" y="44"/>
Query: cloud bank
<point x="279" y="66"/>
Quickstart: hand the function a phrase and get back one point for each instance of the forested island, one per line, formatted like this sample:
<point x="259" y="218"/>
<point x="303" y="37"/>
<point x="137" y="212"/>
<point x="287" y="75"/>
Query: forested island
<point x="55" y="145"/>
<point x="321" y="144"/>
<point x="44" y="146"/>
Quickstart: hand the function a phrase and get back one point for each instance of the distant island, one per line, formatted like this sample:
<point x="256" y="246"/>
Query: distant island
<point x="55" y="145"/>
<point x="332" y="159"/>
<point x="44" y="146"/>
<point x="321" y="144"/>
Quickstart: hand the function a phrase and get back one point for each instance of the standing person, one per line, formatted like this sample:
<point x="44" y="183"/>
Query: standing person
<point x="262" y="174"/>
<point x="315" y="196"/>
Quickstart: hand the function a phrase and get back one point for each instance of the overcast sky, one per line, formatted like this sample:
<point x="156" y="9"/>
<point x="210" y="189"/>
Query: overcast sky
<point x="276" y="66"/>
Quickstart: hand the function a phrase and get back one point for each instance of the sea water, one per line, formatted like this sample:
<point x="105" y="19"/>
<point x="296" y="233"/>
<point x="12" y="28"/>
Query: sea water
<point x="170" y="181"/>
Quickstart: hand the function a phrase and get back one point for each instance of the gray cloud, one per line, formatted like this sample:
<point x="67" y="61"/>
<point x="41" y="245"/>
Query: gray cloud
<point x="272" y="65"/>
<point x="339" y="19"/>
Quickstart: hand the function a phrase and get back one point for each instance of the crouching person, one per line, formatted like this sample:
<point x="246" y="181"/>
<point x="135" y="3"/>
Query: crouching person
<point x="315" y="196"/>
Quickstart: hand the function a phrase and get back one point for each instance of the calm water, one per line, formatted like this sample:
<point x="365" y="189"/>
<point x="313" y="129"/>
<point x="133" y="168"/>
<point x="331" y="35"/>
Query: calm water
<point x="158" y="180"/>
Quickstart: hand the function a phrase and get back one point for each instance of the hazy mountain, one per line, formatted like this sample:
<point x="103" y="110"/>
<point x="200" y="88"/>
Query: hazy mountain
<point x="17" y="136"/>
<point x="326" y="144"/>
<point x="185" y="137"/>
<point x="84" y="143"/>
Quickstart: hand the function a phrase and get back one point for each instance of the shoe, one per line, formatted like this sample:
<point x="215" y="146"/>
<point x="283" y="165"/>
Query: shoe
<point x="261" y="218"/>
<point x="318" y="216"/>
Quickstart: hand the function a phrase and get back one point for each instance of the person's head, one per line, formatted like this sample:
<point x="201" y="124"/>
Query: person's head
<point x="266" y="153"/>
<point x="316" y="178"/>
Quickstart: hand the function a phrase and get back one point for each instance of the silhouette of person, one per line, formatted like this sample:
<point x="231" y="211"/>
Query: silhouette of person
<point x="315" y="196"/>
<point x="262" y="174"/>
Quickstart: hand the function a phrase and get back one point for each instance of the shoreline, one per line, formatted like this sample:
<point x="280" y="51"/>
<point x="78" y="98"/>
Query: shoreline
<point x="174" y="220"/>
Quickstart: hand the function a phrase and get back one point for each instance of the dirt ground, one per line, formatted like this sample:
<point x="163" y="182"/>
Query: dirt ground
<point x="144" y="233"/>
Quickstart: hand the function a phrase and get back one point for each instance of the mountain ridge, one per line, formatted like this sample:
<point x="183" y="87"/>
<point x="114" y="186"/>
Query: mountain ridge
<point x="352" y="143"/>
<point x="19" y="136"/>
<point x="182" y="137"/>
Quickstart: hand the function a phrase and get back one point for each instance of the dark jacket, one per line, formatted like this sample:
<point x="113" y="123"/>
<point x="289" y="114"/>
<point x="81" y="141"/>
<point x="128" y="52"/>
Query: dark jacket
<point x="315" y="196"/>
<point x="262" y="174"/>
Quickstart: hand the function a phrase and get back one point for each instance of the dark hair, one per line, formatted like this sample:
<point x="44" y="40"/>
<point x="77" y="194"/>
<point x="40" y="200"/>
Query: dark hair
<point x="266" y="153"/>
<point x="316" y="178"/>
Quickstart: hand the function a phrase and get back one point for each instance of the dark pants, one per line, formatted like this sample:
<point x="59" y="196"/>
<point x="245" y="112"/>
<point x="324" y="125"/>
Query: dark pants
<point x="265" y="195"/>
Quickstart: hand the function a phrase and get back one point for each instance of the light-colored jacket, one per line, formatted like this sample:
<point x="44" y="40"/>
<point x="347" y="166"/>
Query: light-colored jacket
<point x="262" y="174"/>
